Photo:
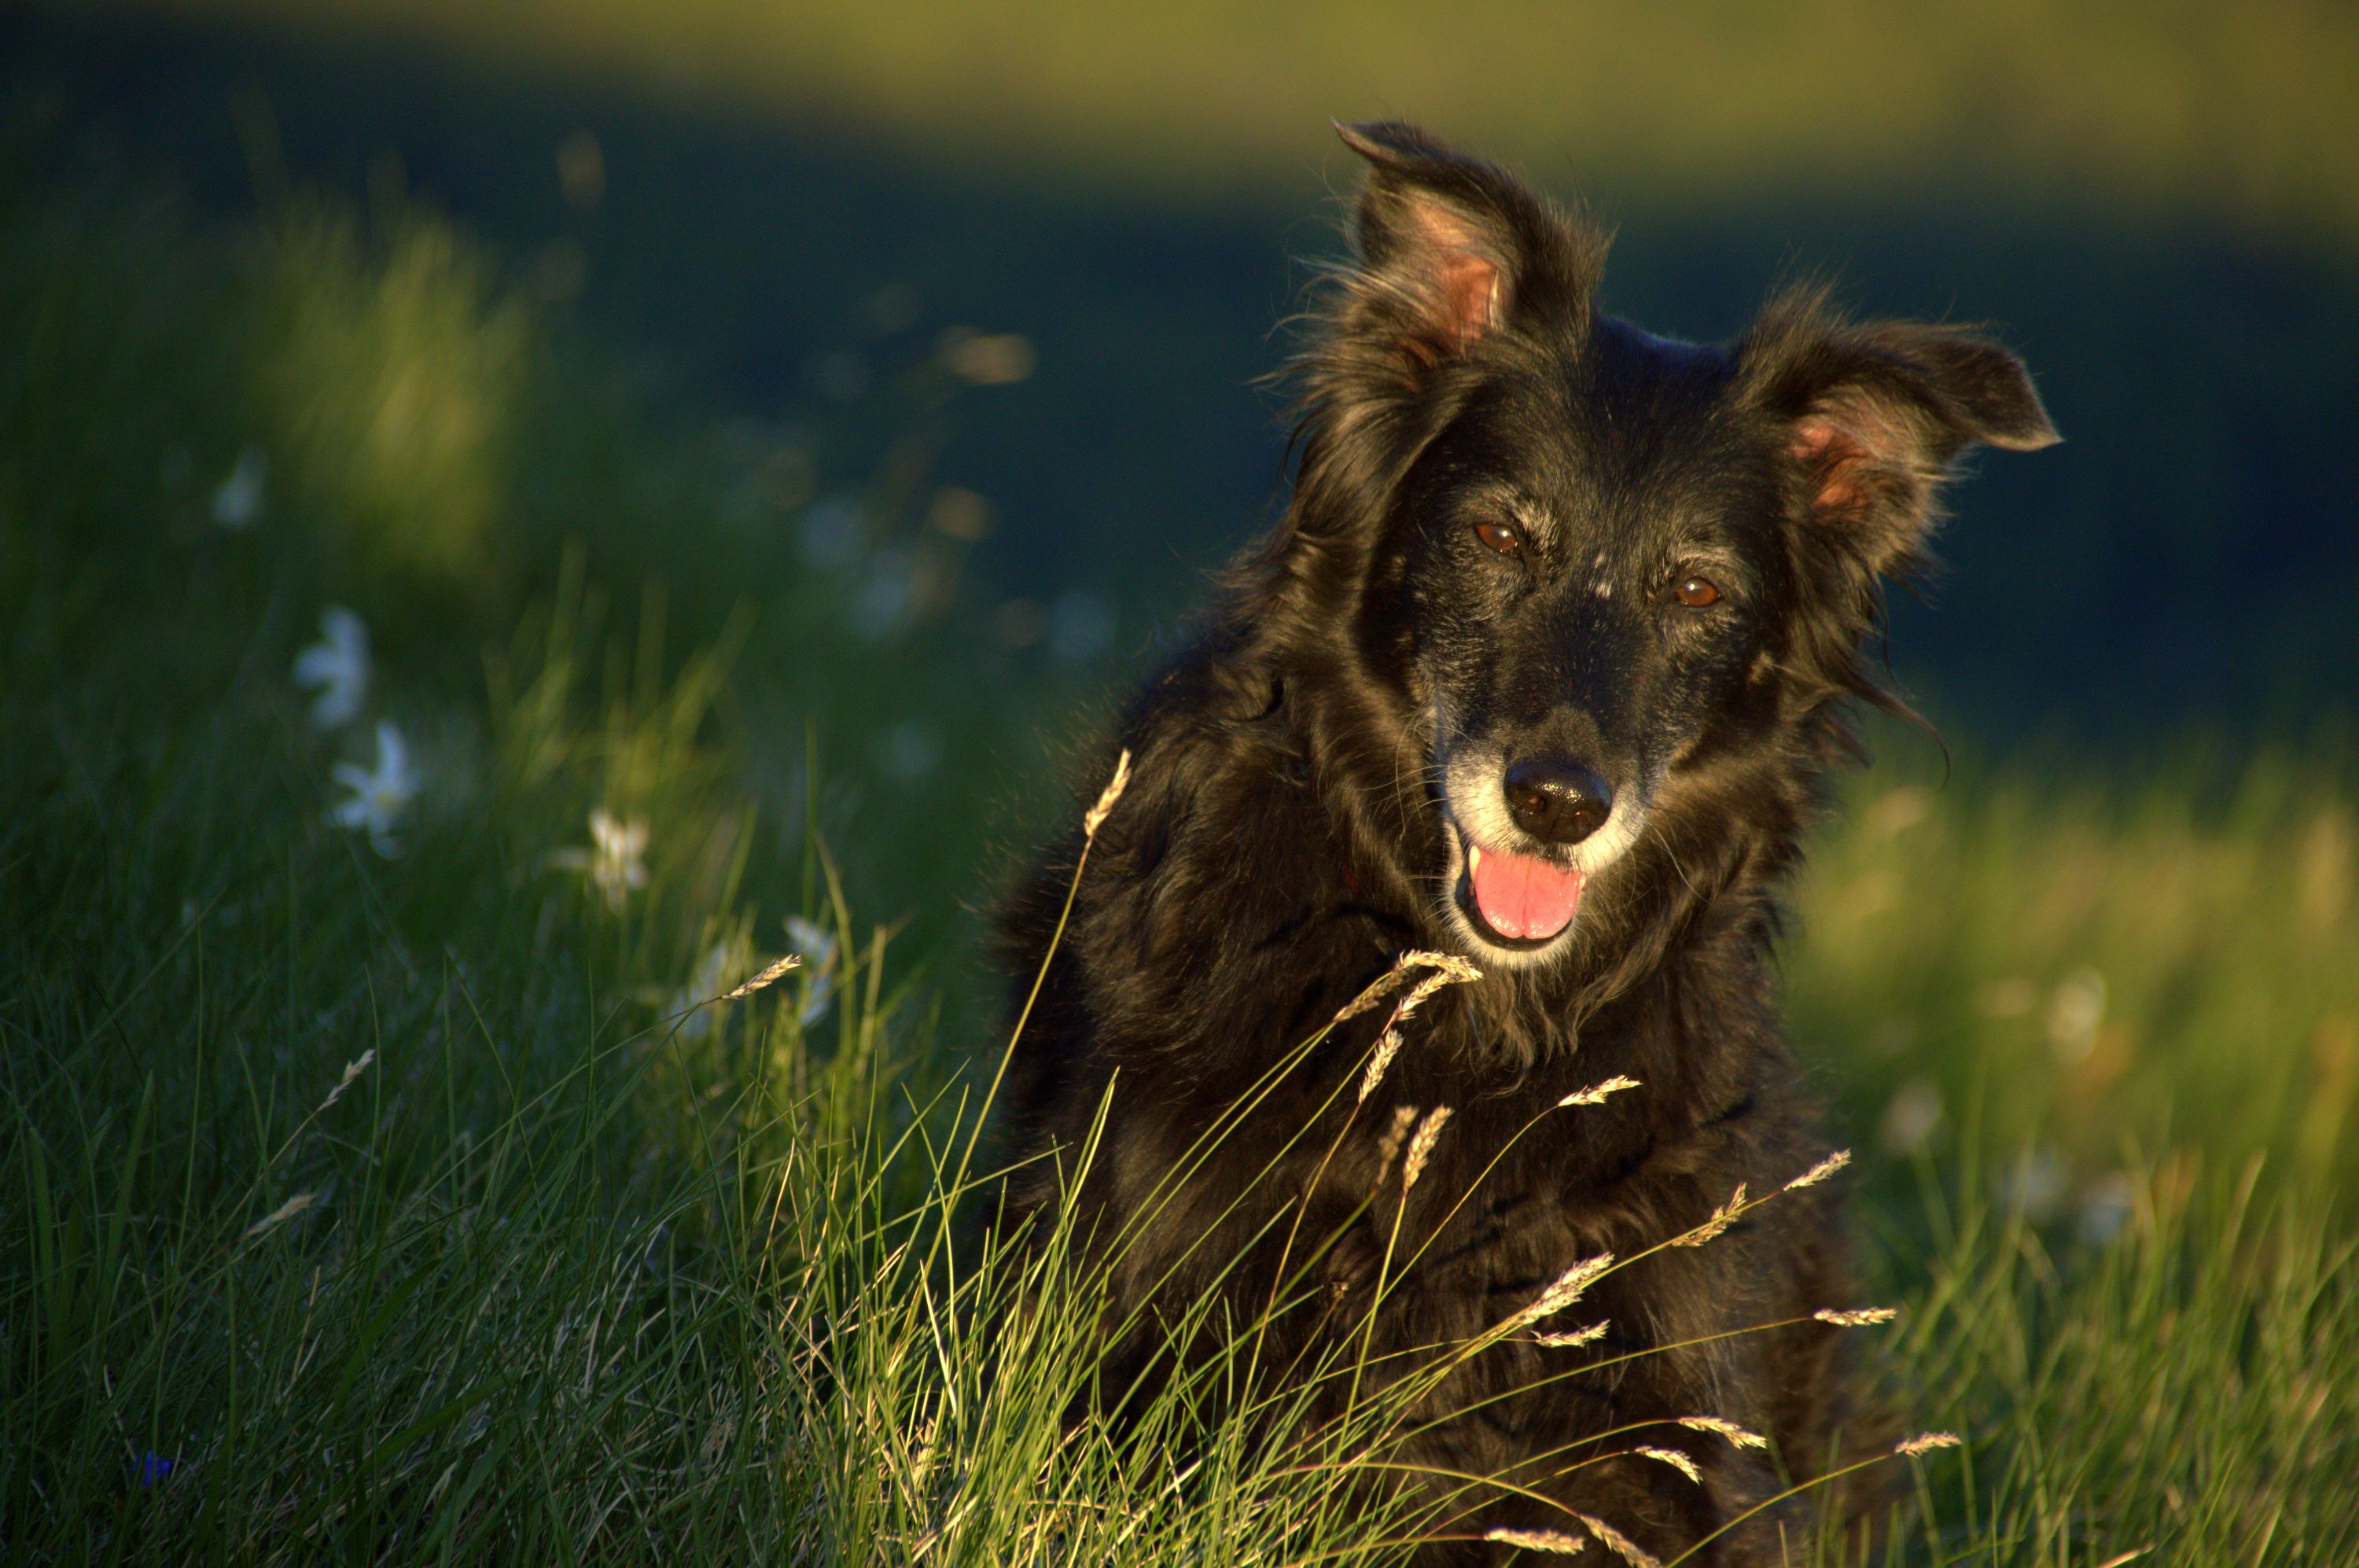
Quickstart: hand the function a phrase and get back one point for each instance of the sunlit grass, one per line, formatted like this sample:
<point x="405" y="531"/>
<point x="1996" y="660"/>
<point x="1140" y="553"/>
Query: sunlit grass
<point x="2238" y="109"/>
<point x="2094" y="979"/>
<point x="356" y="1206"/>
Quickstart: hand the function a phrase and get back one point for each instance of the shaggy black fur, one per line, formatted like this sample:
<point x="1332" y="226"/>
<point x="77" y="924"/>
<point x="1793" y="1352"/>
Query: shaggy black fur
<point x="1523" y="536"/>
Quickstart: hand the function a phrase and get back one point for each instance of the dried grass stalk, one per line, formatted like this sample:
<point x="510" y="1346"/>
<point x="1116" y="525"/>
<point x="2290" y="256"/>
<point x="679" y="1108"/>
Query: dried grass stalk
<point x="1720" y="1220"/>
<point x="1554" y="1540"/>
<point x="1097" y="814"/>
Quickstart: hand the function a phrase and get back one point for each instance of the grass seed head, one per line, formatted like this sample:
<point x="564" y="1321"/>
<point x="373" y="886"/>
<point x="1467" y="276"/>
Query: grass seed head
<point x="1735" y="1434"/>
<point x="1386" y="1049"/>
<point x="1926" y="1442"/>
<point x="1566" y="1288"/>
<point x="1720" y="1220"/>
<point x="1554" y="1540"/>
<point x="1389" y="1149"/>
<point x="352" y="1070"/>
<point x="1447" y="971"/>
<point x="1596" y="1093"/>
<point x="1420" y="1146"/>
<point x="1675" y="1459"/>
<point x="279" y="1216"/>
<point x="1822" y="1170"/>
<point x="1097" y="814"/>
<point x="1614" y="1541"/>
<point x="1574" y="1338"/>
<point x="769" y="976"/>
<point x="1450" y="964"/>
<point x="1857" y="1317"/>
<point x="1375" y="991"/>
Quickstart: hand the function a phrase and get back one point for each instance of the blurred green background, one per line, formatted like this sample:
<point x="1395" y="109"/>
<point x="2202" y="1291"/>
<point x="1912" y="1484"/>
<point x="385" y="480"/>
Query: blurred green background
<point x="764" y="203"/>
<point x="779" y="434"/>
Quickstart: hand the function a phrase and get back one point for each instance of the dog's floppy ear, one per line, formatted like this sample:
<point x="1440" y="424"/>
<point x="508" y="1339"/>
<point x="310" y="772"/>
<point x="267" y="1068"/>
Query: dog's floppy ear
<point x="1871" y="416"/>
<point x="1452" y="248"/>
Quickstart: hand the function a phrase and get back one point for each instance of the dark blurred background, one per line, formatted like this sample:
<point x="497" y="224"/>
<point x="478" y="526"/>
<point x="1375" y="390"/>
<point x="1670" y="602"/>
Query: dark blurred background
<point x="762" y="205"/>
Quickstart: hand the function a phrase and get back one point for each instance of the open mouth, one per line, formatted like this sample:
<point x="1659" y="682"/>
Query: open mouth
<point x="1515" y="900"/>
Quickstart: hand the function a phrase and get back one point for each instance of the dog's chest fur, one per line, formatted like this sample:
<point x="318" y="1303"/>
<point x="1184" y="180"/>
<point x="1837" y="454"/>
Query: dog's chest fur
<point x="1224" y="918"/>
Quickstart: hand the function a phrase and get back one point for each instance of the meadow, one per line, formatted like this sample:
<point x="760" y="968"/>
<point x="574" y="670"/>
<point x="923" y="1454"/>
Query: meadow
<point x="380" y="1177"/>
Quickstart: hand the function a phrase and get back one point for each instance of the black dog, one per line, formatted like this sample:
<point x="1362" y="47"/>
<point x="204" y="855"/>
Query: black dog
<point x="1544" y="667"/>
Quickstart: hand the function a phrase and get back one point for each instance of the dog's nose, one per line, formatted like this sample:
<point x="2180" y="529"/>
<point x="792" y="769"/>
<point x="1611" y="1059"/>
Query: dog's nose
<point x="1556" y="799"/>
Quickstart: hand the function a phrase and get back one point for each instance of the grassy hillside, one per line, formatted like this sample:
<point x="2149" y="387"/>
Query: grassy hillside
<point x="2183" y="554"/>
<point x="2187" y="107"/>
<point x="374" y="1187"/>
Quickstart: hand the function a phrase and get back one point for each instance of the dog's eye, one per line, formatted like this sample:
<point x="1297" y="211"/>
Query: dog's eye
<point x="1500" y="537"/>
<point x="1696" y="593"/>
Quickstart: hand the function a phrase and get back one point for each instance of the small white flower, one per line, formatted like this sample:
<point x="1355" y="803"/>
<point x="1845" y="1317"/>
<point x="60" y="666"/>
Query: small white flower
<point x="238" y="504"/>
<point x="2106" y="1205"/>
<point x="2034" y="1184"/>
<point x="615" y="861"/>
<point x="339" y="665"/>
<point x="815" y="944"/>
<point x="1910" y="1120"/>
<point x="695" y="1005"/>
<point x="2074" y="1012"/>
<point x="378" y="797"/>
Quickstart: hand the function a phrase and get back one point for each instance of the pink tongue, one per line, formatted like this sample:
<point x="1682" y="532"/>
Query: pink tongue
<point x="1525" y="898"/>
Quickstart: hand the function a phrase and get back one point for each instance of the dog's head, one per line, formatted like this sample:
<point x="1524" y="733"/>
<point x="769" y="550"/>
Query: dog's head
<point x="1588" y="568"/>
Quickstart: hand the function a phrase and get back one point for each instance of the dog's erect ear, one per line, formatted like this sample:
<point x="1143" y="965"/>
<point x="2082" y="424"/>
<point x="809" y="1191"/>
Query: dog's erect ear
<point x="1873" y="415"/>
<point x="1451" y="248"/>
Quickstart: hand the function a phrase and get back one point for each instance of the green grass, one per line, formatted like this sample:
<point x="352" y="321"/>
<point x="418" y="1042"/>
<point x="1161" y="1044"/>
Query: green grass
<point x="399" y="1208"/>
<point x="2179" y="108"/>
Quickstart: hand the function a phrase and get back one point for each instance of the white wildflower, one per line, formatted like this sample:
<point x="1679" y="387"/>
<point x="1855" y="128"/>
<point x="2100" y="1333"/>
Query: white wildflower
<point x="338" y="664"/>
<point x="1910" y="1119"/>
<point x="2106" y="1205"/>
<point x="2074" y="1013"/>
<point x="380" y="796"/>
<point x="697" y="1021"/>
<point x="816" y="946"/>
<point x="615" y="861"/>
<point x="238" y="504"/>
<point x="2034" y="1184"/>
